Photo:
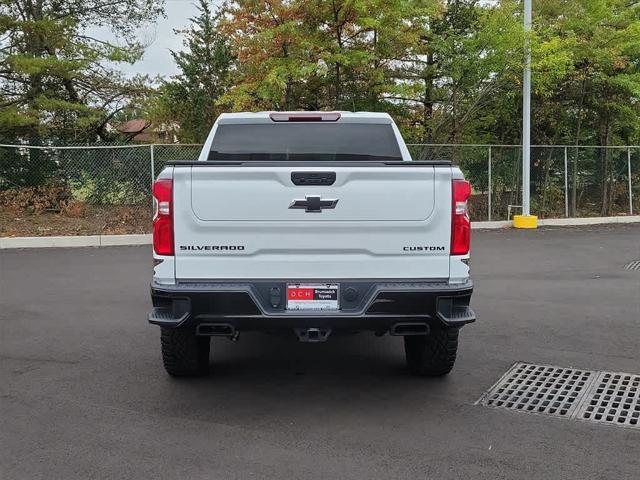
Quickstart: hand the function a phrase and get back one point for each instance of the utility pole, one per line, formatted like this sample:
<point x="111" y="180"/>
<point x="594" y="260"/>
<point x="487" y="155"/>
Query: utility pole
<point x="526" y="220"/>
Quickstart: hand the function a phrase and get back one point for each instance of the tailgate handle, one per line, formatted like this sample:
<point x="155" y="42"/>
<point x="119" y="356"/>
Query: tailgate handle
<point x="313" y="178"/>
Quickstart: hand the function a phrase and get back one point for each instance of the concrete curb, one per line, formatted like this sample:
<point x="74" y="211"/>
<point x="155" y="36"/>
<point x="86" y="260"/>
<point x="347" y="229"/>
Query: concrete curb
<point x="559" y="222"/>
<point x="145" y="239"/>
<point x="491" y="225"/>
<point x="115" y="240"/>
<point x="75" y="241"/>
<point x="562" y="222"/>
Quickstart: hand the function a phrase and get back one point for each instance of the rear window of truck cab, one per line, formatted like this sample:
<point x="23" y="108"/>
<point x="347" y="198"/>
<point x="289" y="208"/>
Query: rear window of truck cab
<point x="300" y="141"/>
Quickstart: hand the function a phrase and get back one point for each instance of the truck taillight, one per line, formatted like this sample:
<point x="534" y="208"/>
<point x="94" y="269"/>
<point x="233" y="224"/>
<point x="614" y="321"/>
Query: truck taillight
<point x="460" y="223"/>
<point x="163" y="216"/>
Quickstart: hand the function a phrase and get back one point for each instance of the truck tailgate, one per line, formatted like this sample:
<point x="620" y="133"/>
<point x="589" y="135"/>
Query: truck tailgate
<point x="235" y="222"/>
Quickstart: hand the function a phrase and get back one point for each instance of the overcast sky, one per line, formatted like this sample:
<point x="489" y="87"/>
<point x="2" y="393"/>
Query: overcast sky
<point x="161" y="38"/>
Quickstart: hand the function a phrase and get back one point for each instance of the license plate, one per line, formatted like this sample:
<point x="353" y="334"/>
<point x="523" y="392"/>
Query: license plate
<point x="312" y="296"/>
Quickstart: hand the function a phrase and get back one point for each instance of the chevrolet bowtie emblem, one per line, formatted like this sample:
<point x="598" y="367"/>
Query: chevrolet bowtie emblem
<point x="313" y="203"/>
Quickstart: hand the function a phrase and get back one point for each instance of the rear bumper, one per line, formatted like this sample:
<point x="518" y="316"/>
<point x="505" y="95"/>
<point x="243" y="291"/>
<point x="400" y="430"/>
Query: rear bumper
<point x="260" y="305"/>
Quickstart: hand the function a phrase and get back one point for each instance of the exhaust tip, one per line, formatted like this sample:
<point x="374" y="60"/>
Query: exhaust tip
<point x="409" y="328"/>
<point x="216" y="330"/>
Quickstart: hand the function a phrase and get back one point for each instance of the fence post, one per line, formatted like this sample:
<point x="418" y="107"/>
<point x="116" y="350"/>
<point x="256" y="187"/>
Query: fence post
<point x="629" y="178"/>
<point x="489" y="185"/>
<point x="153" y="173"/>
<point x="566" y="185"/>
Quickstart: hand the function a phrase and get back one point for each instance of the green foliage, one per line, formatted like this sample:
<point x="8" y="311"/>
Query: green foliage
<point x="55" y="82"/>
<point x="448" y="71"/>
<point x="432" y="64"/>
<point x="586" y="79"/>
<point x="190" y="99"/>
<point x="25" y="168"/>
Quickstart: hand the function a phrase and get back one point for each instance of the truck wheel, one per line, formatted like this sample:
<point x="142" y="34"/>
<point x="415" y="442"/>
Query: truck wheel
<point x="183" y="353"/>
<point x="432" y="355"/>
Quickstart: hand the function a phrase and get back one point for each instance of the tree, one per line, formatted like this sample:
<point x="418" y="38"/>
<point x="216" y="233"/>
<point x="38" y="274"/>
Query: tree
<point x="191" y="98"/>
<point x="589" y="91"/>
<point x="433" y="64"/>
<point x="466" y="53"/>
<point x="277" y="56"/>
<point x="362" y="42"/>
<point x="56" y="82"/>
<point x="320" y="54"/>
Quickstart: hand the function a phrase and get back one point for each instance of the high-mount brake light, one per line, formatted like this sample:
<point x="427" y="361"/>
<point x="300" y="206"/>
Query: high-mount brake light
<point x="305" y="117"/>
<point x="163" y="216"/>
<point x="460" y="223"/>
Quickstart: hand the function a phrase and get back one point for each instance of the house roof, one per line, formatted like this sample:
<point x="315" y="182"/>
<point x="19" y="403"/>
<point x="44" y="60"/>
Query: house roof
<point x="133" y="126"/>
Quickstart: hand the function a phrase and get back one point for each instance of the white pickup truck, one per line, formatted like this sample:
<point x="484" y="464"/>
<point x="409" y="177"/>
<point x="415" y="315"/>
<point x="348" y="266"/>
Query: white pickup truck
<point x="310" y="223"/>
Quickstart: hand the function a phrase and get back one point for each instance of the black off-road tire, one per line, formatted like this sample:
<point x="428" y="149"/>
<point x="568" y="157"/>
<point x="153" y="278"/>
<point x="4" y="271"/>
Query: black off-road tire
<point x="184" y="354"/>
<point x="432" y="355"/>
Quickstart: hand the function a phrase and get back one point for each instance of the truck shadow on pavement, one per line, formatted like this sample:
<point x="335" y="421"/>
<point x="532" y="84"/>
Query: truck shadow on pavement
<point x="262" y="374"/>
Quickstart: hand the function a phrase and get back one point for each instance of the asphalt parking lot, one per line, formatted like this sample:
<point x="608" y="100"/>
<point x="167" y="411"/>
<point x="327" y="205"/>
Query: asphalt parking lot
<point x="83" y="393"/>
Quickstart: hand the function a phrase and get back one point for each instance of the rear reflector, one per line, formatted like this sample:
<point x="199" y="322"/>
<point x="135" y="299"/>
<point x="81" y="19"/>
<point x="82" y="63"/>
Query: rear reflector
<point x="305" y="117"/>
<point x="460" y="223"/>
<point x="163" y="217"/>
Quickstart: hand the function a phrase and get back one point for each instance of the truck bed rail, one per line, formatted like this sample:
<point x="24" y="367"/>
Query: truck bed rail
<point x="259" y="163"/>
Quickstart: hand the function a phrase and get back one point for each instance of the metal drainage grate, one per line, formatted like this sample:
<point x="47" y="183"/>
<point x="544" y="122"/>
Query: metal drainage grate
<point x="602" y="397"/>
<point x="539" y="389"/>
<point x="635" y="265"/>
<point x="615" y="398"/>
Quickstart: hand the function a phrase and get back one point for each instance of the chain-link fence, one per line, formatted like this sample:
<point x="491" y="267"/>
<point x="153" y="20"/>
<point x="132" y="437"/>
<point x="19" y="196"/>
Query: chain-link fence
<point x="81" y="190"/>
<point x="106" y="189"/>
<point x="566" y="180"/>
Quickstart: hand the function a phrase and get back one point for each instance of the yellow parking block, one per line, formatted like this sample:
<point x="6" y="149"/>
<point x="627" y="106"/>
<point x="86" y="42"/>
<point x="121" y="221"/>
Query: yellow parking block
<point x="525" y="221"/>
